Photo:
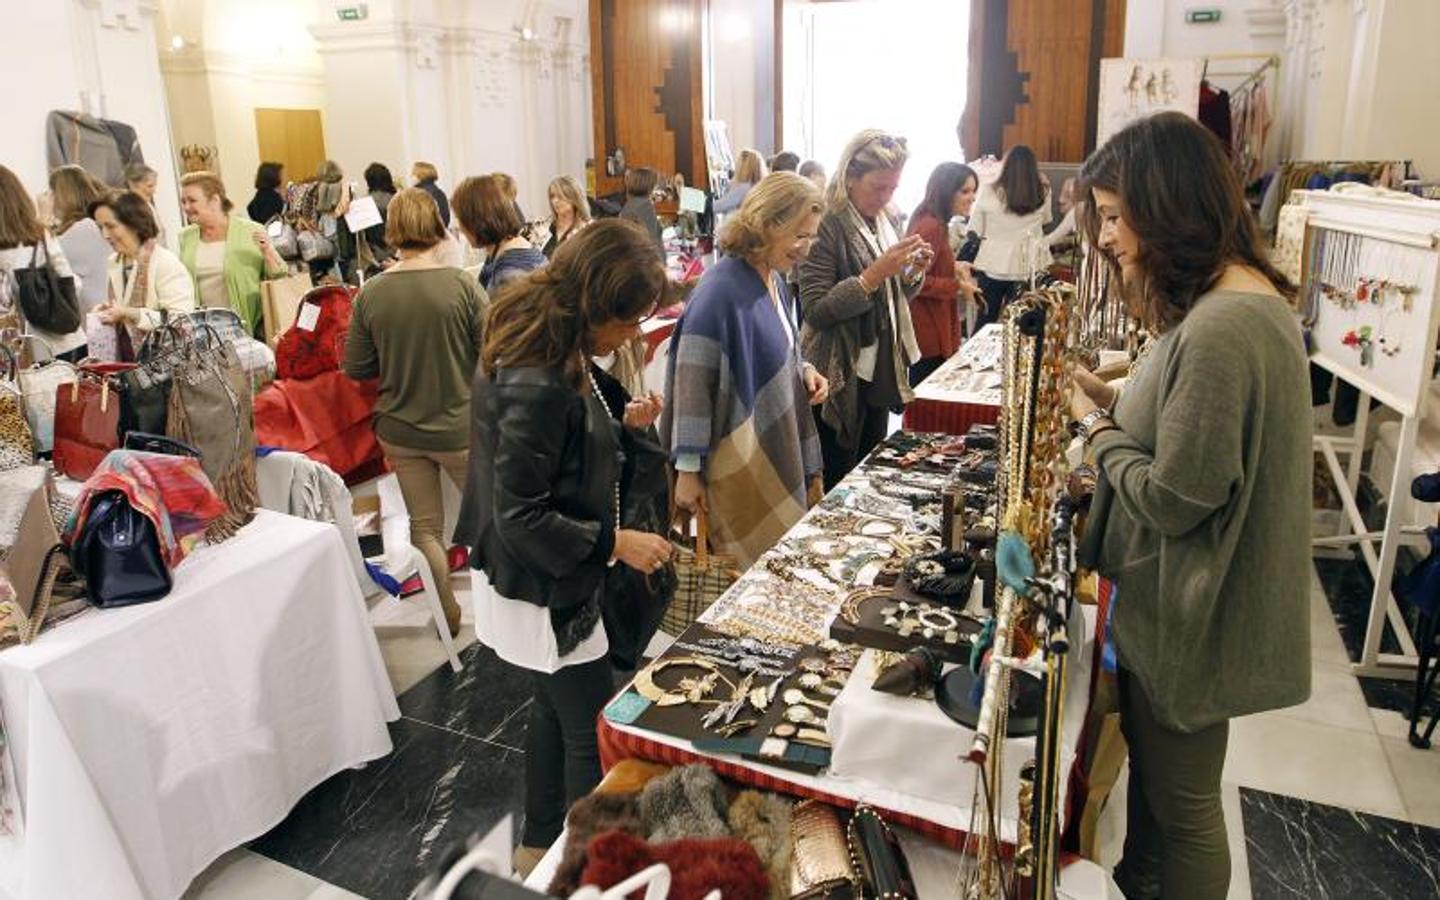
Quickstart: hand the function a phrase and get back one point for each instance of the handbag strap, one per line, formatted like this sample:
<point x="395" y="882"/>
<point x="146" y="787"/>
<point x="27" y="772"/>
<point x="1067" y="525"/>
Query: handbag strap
<point x="702" y="528"/>
<point x="12" y="366"/>
<point x="26" y="340"/>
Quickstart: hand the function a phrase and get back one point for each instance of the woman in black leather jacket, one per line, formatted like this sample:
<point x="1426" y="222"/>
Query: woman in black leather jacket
<point x="544" y="492"/>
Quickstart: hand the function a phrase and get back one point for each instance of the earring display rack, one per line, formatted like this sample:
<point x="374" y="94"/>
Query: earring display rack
<point x="1370" y="275"/>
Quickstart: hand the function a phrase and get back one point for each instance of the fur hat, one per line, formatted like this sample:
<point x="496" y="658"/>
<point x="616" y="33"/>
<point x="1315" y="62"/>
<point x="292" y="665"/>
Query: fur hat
<point x="591" y="816"/>
<point x="696" y="866"/>
<point x="688" y="802"/>
<point x="763" y="821"/>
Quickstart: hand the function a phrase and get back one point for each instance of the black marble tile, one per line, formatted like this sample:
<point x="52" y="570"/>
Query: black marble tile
<point x="1348" y="587"/>
<point x="486" y="699"/>
<point x="377" y="831"/>
<point x="1299" y="849"/>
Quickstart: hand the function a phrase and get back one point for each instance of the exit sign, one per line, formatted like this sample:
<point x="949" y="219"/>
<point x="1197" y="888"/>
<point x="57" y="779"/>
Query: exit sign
<point x="1202" y="16"/>
<point x="352" y="13"/>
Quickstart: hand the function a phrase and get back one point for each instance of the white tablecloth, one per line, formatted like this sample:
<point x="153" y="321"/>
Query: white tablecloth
<point x="150" y="740"/>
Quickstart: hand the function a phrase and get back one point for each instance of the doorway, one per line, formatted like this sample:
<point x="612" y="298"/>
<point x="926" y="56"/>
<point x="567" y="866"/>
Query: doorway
<point x="294" y="138"/>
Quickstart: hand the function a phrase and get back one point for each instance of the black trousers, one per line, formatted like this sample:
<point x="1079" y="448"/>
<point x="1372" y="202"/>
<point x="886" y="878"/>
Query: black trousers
<point x="839" y="460"/>
<point x="562" y="753"/>
<point x="919" y="371"/>
<point x="998" y="294"/>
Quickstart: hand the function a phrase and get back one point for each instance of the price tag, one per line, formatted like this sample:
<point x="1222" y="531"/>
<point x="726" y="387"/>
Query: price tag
<point x="309" y="317"/>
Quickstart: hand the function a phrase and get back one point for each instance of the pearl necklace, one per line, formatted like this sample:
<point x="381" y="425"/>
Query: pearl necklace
<point x="595" y="388"/>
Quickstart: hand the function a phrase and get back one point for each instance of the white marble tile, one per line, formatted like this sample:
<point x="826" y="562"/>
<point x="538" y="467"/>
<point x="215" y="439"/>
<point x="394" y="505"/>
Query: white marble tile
<point x="409" y="643"/>
<point x="1322" y="763"/>
<point x="1235" y="834"/>
<point x="1335" y="699"/>
<point x="1417" y="775"/>
<point x="1391" y="724"/>
<point x="243" y="875"/>
<point x="1326" y="647"/>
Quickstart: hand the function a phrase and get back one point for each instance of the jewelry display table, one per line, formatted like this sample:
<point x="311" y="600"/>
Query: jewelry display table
<point x="964" y="391"/>
<point x="149" y="740"/>
<point x="789" y="593"/>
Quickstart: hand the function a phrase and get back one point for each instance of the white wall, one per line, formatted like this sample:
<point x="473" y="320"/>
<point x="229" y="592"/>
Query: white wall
<point x="79" y="54"/>
<point x="742" y="73"/>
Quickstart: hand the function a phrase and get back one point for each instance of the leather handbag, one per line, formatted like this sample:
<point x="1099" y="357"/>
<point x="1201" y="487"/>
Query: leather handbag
<point x="634" y="602"/>
<point x="159" y="443"/>
<point x="314" y="246"/>
<point x="47" y="301"/>
<point x="38" y="383"/>
<point x="283" y="237"/>
<point x="87" y="418"/>
<point x="211" y="409"/>
<point x="226" y="323"/>
<point x="876" y="857"/>
<point x="118" y="553"/>
<point x="256" y="358"/>
<point x="31" y="555"/>
<point x="17" y="443"/>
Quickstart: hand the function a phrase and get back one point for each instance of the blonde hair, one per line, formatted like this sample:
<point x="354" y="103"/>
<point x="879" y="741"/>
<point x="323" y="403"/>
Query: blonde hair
<point x="73" y="190"/>
<point x="507" y="184"/>
<point x="329" y="171"/>
<point x="750" y="167"/>
<point x="424" y="171"/>
<point x="779" y="200"/>
<point x="570" y="191"/>
<point x="412" y="221"/>
<point x="869" y="151"/>
<point x="210" y="184"/>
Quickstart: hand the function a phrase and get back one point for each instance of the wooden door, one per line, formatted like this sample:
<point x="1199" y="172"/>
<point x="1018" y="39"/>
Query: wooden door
<point x="293" y="137"/>
<point x="645" y="59"/>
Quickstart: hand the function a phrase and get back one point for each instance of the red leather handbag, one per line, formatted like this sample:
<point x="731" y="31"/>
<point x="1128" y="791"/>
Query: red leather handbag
<point x="316" y="342"/>
<point x="87" y="417"/>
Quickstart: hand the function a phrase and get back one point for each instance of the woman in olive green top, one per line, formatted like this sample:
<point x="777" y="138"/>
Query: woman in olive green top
<point x="1202" y="514"/>
<point x="418" y="329"/>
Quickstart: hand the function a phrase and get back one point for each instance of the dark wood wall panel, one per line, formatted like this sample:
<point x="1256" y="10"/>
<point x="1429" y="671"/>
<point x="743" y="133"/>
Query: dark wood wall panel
<point x="646" y="77"/>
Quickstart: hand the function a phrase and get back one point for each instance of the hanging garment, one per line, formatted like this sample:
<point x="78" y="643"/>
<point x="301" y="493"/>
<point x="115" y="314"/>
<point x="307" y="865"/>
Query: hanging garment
<point x="1215" y="111"/>
<point x="83" y="140"/>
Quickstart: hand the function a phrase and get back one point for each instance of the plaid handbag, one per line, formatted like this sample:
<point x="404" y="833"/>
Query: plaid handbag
<point x="702" y="576"/>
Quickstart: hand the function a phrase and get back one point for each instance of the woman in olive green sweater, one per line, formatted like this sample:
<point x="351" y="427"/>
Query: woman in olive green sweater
<point x="418" y="329"/>
<point x="1202" y="514"/>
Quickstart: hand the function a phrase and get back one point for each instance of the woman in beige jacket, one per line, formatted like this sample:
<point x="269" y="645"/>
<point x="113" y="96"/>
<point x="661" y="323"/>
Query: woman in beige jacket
<point x="148" y="283"/>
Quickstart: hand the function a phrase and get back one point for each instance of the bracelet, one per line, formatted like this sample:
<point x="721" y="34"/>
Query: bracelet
<point x="863" y="286"/>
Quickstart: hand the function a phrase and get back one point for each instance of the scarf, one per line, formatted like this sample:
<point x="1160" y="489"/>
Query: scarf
<point x="127" y="337"/>
<point x="869" y="246"/>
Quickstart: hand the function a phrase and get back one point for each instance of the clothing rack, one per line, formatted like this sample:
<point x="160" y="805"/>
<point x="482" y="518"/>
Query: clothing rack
<point x="1266" y="60"/>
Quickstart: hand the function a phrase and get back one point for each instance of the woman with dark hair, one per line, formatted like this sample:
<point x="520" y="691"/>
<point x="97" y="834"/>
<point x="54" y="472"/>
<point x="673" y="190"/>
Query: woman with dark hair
<point x="639" y="207"/>
<point x="148" y="283"/>
<point x="1202" y="513"/>
<point x="936" y="309"/>
<point x="21" y="235"/>
<point x="268" y="201"/>
<point x="380" y="187"/>
<point x="543" y="501"/>
<point x="491" y="222"/>
<point x="1010" y="217"/>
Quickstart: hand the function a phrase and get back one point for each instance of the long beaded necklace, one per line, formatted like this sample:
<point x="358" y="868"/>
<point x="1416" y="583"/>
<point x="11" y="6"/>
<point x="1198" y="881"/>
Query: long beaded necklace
<point x="595" y="389"/>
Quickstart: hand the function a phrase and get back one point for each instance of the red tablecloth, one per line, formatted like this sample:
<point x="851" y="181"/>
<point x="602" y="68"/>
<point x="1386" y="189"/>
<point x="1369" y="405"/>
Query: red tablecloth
<point x="951" y="418"/>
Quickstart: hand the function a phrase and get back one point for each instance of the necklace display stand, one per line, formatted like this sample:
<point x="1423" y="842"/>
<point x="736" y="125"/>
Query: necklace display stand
<point x="1399" y="240"/>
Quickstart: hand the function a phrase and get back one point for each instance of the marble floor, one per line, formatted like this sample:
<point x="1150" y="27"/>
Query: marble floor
<point x="1327" y="799"/>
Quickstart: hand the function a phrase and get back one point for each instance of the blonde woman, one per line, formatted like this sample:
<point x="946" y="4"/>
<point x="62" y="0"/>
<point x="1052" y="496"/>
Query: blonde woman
<point x="74" y="190"/>
<point x="227" y="254"/>
<point x="737" y="422"/>
<point x="855" y="288"/>
<point x="426" y="178"/>
<point x="569" y="212"/>
<point x="749" y="169"/>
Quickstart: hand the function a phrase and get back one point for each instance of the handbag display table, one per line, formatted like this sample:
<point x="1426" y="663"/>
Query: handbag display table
<point x="149" y="740"/>
<point x="964" y="391"/>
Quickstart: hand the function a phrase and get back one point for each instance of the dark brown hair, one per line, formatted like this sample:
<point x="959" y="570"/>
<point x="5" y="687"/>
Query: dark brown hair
<point x="73" y="190"/>
<point x="1019" y="184"/>
<point x="945" y="182"/>
<point x="19" y="222"/>
<point x="609" y="272"/>
<point x="267" y="176"/>
<point x="132" y="211"/>
<point x="1180" y="195"/>
<point x="484" y="210"/>
<point x="640" y="181"/>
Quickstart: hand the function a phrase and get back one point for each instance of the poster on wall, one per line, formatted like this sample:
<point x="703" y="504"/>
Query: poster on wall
<point x="719" y="158"/>
<point x="1132" y="89"/>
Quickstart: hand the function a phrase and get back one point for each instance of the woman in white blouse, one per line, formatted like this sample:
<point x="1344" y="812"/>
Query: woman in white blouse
<point x="148" y="283"/>
<point x="21" y="236"/>
<point x="1010" y="216"/>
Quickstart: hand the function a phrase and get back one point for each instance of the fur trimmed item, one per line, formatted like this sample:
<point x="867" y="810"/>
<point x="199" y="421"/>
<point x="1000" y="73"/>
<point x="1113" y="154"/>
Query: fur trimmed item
<point x="591" y="816"/>
<point x="763" y="821"/>
<point x="696" y="866"/>
<point x="689" y="802"/>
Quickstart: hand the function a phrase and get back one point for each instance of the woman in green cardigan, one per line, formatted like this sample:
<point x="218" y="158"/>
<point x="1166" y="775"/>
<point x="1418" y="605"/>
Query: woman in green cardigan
<point x="227" y="255"/>
<point x="1202" y="514"/>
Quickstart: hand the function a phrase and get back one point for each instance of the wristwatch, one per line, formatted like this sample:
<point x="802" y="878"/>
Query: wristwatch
<point x="1087" y="422"/>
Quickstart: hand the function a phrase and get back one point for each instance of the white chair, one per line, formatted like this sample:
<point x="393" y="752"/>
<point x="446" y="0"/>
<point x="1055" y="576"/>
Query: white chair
<point x="278" y="471"/>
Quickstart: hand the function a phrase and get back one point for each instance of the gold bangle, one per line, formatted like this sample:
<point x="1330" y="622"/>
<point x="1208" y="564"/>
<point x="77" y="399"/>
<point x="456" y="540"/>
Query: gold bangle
<point x="863" y="286"/>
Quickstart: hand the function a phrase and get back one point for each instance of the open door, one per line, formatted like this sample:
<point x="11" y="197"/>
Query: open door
<point x="645" y="58"/>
